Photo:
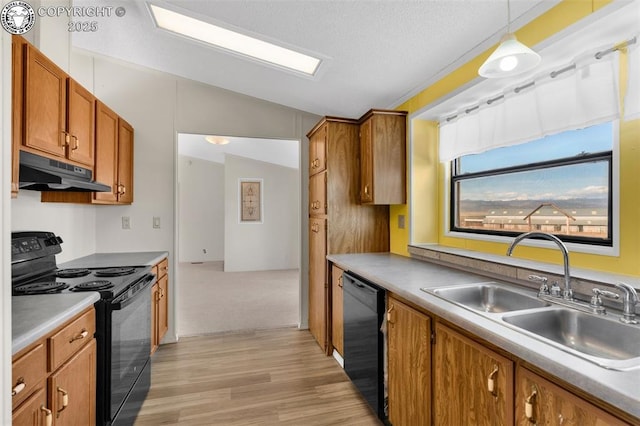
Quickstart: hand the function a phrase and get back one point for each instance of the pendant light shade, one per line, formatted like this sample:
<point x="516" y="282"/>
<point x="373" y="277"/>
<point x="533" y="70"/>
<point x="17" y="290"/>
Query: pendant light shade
<point x="509" y="59"/>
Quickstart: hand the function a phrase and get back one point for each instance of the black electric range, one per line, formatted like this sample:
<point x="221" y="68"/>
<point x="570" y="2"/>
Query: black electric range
<point x="123" y="318"/>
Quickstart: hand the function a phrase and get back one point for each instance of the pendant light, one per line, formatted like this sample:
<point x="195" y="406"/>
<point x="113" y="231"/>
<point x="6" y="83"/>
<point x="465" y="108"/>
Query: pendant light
<point x="510" y="58"/>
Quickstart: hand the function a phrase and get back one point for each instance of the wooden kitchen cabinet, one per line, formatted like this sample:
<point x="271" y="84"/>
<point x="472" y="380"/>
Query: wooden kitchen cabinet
<point x="54" y="379"/>
<point x="338" y="222"/>
<point x="384" y="157"/>
<point x="125" y="162"/>
<point x="160" y="304"/>
<point x="552" y="405"/>
<point x="337" y="311"/>
<point x="409" y="371"/>
<point x="463" y="371"/>
<point x="58" y="113"/>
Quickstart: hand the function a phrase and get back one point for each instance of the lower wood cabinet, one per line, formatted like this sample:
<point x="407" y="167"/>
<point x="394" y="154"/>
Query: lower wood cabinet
<point x="159" y="304"/>
<point x="337" y="312"/>
<point x="54" y="379"/>
<point x="409" y="348"/>
<point x="549" y="404"/>
<point x="473" y="385"/>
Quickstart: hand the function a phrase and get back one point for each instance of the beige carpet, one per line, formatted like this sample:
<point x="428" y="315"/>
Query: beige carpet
<point x="213" y="301"/>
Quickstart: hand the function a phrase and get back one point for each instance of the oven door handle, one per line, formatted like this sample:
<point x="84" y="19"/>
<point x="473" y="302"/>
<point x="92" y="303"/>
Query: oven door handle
<point x="118" y="304"/>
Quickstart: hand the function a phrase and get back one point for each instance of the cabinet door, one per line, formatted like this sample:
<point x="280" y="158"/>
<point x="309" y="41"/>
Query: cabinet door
<point x="317" y="280"/>
<point x="318" y="194"/>
<point x="17" y="72"/>
<point x="463" y="370"/>
<point x="409" y="340"/>
<point x="155" y="304"/>
<point x="552" y="405"/>
<point x="33" y="411"/>
<point x="318" y="151"/>
<point x="81" y="116"/>
<point x="45" y="104"/>
<point x="125" y="162"/>
<point x="106" y="167"/>
<point x="337" y="318"/>
<point x="163" y="307"/>
<point x="366" y="162"/>
<point x="72" y="389"/>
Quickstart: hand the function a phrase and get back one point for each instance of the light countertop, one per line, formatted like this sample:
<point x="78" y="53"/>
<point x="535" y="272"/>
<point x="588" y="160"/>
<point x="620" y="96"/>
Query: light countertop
<point x="106" y="260"/>
<point x="405" y="276"/>
<point x="33" y="317"/>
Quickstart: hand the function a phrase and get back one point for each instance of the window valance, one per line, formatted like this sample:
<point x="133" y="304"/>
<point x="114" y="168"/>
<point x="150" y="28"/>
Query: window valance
<point x="586" y="91"/>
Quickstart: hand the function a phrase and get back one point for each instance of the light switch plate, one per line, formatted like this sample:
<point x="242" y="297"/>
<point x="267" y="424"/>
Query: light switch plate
<point x="126" y="222"/>
<point x="401" y="221"/>
<point x="156" y="222"/>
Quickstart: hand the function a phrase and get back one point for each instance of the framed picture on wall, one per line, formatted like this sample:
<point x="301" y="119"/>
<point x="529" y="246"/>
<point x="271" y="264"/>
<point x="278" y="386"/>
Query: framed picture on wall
<point x="250" y="200"/>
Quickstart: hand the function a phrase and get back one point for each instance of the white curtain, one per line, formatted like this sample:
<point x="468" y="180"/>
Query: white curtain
<point x="586" y="94"/>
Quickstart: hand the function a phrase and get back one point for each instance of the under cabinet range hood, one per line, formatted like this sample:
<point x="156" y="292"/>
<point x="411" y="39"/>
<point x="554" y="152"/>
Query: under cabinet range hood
<point x="44" y="174"/>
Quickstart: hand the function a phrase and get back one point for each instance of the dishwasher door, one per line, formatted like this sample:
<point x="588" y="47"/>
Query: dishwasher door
<point x="363" y="339"/>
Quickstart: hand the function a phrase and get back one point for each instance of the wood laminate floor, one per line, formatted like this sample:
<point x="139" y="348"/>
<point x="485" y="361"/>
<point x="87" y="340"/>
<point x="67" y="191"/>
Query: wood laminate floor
<point x="268" y="377"/>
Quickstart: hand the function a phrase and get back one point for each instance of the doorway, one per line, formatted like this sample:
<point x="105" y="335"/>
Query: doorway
<point x="238" y="234"/>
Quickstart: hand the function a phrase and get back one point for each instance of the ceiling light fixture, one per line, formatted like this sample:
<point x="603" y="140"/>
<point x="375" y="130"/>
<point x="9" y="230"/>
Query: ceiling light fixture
<point x="230" y="40"/>
<point x="510" y="58"/>
<point x="217" y="140"/>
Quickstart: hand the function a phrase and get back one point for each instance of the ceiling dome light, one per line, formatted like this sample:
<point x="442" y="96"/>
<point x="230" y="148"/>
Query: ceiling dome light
<point x="509" y="59"/>
<point x="217" y="140"/>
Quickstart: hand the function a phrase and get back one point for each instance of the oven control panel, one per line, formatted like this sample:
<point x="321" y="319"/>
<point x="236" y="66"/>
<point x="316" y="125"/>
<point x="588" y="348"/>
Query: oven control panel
<point x="31" y="245"/>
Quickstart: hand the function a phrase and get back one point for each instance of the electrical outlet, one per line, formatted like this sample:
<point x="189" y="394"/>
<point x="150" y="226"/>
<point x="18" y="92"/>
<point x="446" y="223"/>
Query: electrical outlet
<point x="401" y="221"/>
<point x="156" y="222"/>
<point x="126" y="222"/>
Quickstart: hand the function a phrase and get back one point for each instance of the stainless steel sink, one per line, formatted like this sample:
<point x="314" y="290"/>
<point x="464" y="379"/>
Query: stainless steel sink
<point x="488" y="297"/>
<point x="602" y="340"/>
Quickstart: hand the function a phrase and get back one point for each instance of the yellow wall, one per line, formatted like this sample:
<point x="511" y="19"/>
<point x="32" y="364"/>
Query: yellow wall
<point x="427" y="199"/>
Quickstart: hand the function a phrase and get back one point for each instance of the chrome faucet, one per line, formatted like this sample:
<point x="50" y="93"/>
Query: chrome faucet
<point x="567" y="293"/>
<point x="629" y="301"/>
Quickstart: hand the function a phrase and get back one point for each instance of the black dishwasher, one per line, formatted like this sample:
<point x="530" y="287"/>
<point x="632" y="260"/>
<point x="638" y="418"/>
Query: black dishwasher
<point x="363" y="339"/>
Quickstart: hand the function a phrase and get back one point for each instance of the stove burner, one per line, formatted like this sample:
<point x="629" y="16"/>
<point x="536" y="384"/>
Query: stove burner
<point x="114" y="272"/>
<point x="41" y="287"/>
<point x="93" y="285"/>
<point x="72" y="273"/>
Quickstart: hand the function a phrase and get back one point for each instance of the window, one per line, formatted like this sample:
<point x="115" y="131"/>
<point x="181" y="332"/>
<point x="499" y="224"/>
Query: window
<point x="560" y="184"/>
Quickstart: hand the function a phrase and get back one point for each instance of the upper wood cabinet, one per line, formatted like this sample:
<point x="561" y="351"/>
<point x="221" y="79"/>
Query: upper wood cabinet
<point x="59" y="114"/>
<point x="106" y="168"/>
<point x="318" y="151"/>
<point x="125" y="162"/>
<point x="409" y="348"/>
<point x="472" y="384"/>
<point x="549" y="404"/>
<point x="383" y="157"/>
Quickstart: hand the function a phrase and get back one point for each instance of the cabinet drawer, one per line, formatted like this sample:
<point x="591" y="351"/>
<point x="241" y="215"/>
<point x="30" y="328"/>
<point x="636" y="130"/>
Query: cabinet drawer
<point x="71" y="338"/>
<point x="318" y="194"/>
<point x="28" y="372"/>
<point x="163" y="268"/>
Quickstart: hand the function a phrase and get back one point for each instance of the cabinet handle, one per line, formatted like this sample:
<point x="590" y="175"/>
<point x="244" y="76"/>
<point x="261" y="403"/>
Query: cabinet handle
<point x="528" y="404"/>
<point x="161" y="293"/>
<point x="48" y="418"/>
<point x="491" y="381"/>
<point x="315" y="205"/>
<point x="65" y="400"/>
<point x="84" y="333"/>
<point x="389" y="314"/>
<point x="19" y="387"/>
<point x="366" y="189"/>
<point x="67" y="139"/>
<point x="340" y="281"/>
<point x="124" y="190"/>
<point x="315" y="163"/>
<point x="315" y="228"/>
<point x="76" y="145"/>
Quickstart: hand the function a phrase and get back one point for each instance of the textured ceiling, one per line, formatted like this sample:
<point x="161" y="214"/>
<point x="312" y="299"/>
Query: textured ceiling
<point x="377" y="53"/>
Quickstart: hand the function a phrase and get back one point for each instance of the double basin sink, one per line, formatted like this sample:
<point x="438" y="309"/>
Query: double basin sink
<point x="600" y="339"/>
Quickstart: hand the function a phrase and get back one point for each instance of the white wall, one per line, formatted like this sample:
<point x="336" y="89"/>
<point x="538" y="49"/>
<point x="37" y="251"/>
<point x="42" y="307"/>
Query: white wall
<point x="272" y="243"/>
<point x="201" y="202"/>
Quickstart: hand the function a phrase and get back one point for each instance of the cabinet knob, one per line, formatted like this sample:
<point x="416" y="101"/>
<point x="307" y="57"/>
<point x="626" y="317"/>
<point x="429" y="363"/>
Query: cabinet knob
<point x="65" y="400"/>
<point x="389" y="314"/>
<point x="491" y="381"/>
<point x="84" y="333"/>
<point x="528" y="405"/>
<point x="48" y="417"/>
<point x="19" y="387"/>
